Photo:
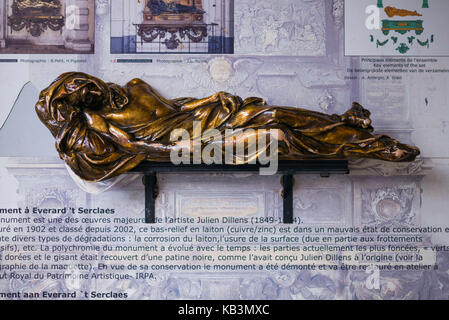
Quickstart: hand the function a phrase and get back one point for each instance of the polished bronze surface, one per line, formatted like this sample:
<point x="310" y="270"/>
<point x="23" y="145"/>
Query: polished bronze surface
<point x="103" y="130"/>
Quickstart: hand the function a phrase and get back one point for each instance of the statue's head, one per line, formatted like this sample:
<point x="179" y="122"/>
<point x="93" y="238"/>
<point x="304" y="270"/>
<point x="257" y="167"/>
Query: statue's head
<point x="88" y="92"/>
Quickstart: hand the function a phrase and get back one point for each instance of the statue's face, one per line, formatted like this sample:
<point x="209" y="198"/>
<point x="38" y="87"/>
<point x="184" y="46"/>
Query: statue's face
<point x="90" y="97"/>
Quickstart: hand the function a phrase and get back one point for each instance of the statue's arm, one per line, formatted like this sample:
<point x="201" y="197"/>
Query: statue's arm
<point x="122" y="138"/>
<point x="226" y="99"/>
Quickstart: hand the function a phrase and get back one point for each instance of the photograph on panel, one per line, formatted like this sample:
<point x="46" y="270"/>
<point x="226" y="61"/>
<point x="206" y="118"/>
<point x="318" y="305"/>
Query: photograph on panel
<point x="172" y="26"/>
<point x="47" y="26"/>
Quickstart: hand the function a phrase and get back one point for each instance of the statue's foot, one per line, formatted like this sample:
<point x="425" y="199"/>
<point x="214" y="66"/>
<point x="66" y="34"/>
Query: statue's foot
<point x="400" y="152"/>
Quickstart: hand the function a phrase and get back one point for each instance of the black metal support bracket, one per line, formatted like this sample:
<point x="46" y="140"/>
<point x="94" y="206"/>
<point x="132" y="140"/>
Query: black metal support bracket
<point x="287" y="168"/>
<point x="151" y="193"/>
<point x="287" y="196"/>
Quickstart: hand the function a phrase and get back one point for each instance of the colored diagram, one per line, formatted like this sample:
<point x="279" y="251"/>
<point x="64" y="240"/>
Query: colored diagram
<point x="425" y="4"/>
<point x="406" y="31"/>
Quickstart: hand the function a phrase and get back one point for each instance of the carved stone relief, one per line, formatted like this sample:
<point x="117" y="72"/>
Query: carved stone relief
<point x="280" y="28"/>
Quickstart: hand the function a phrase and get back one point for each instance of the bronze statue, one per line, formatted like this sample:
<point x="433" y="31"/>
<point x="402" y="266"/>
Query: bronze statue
<point x="158" y="7"/>
<point x="37" y="4"/>
<point x="103" y="130"/>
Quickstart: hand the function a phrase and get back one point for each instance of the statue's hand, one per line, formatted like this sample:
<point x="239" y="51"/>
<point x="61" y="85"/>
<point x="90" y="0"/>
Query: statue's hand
<point x="357" y="116"/>
<point x="229" y="101"/>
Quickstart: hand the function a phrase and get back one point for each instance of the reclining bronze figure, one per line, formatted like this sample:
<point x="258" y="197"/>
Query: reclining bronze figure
<point x="103" y="130"/>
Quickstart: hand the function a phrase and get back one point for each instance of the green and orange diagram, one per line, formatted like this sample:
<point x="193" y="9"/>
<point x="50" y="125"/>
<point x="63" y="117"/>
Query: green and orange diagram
<point x="402" y="43"/>
<point x="425" y="4"/>
<point x="402" y="26"/>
